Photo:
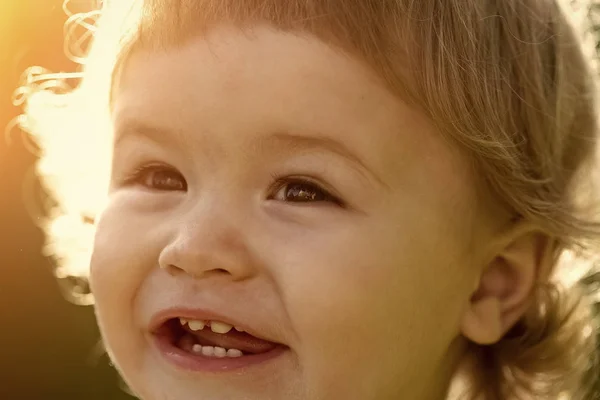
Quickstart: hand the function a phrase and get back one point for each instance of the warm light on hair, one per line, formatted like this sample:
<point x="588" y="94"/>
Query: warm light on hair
<point x="509" y="81"/>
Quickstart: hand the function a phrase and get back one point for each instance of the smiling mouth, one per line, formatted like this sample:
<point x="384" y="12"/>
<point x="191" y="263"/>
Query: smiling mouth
<point x="212" y="345"/>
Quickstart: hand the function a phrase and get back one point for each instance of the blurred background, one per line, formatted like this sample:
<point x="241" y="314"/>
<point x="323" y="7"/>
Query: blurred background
<point x="48" y="345"/>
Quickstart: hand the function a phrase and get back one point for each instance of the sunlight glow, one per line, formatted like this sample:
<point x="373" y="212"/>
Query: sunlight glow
<point x="75" y="134"/>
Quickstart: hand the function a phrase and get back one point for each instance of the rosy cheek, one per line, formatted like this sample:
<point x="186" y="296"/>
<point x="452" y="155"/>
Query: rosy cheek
<point x="112" y="256"/>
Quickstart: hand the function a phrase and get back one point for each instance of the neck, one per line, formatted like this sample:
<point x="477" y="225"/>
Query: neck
<point x="446" y="382"/>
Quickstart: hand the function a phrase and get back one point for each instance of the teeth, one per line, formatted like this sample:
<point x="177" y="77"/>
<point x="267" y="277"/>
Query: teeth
<point x="219" y="327"/>
<point x="196" y="325"/>
<point x="197" y="349"/>
<point x="208" y="351"/>
<point x="220" y="352"/>
<point x="234" y="353"/>
<point x="215" y="326"/>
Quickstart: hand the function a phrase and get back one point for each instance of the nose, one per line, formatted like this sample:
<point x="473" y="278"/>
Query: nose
<point x="208" y="241"/>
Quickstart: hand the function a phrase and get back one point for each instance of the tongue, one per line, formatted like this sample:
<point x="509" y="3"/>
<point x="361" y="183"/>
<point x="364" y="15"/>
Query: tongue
<point x="233" y="340"/>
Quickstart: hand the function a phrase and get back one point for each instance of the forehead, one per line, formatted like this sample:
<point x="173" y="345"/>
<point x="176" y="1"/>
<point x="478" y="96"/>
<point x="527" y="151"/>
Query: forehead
<point x="257" y="69"/>
<point x="291" y="81"/>
<point x="235" y="55"/>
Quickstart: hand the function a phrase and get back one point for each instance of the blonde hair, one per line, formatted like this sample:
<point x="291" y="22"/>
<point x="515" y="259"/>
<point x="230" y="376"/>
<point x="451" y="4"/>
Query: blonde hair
<point x="507" y="80"/>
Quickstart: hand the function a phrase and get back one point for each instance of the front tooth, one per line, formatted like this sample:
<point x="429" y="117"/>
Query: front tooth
<point x="208" y="351"/>
<point x="234" y="353"/>
<point x="237" y="328"/>
<point x="183" y="321"/>
<point x="196" y="325"/>
<point x="197" y="349"/>
<point x="220" y="327"/>
<point x="220" y="352"/>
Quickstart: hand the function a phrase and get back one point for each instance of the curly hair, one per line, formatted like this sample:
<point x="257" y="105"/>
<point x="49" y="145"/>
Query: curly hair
<point x="509" y="81"/>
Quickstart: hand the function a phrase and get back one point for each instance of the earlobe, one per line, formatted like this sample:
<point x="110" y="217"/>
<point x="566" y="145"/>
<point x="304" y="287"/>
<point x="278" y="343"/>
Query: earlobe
<point x="506" y="286"/>
<point x="482" y="321"/>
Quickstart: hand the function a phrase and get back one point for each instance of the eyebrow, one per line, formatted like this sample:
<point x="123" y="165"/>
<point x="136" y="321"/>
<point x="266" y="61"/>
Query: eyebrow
<point x="127" y="127"/>
<point x="296" y="141"/>
<point x="133" y="127"/>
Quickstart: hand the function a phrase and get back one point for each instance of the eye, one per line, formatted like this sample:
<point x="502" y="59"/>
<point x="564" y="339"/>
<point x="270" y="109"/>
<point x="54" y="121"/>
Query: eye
<point x="158" y="177"/>
<point x="302" y="191"/>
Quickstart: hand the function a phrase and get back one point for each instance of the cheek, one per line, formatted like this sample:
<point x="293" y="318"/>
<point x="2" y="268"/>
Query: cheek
<point x="119" y="264"/>
<point x="110" y="249"/>
<point x="371" y="293"/>
<point x="118" y="267"/>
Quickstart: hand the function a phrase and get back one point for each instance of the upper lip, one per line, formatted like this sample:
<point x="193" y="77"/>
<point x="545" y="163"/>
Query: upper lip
<point x="159" y="318"/>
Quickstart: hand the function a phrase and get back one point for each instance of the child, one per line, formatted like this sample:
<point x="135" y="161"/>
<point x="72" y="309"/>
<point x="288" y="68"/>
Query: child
<point x="334" y="199"/>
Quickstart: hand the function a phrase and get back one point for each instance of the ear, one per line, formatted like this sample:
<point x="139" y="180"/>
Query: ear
<point x="518" y="261"/>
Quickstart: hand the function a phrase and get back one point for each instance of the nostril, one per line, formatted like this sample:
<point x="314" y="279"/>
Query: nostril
<point x="171" y="269"/>
<point x="174" y="270"/>
<point x="210" y="272"/>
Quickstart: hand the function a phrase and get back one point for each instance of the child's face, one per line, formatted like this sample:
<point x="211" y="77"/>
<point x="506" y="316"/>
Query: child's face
<point x="291" y="194"/>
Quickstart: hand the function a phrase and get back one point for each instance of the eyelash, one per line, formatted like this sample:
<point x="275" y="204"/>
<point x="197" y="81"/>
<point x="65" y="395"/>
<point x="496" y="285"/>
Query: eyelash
<point x="142" y="174"/>
<point x="282" y="182"/>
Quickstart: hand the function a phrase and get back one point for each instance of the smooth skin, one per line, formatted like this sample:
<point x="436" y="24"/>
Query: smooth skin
<point x="287" y="187"/>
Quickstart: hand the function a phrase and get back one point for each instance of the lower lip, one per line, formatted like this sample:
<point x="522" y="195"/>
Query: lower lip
<point x="191" y="362"/>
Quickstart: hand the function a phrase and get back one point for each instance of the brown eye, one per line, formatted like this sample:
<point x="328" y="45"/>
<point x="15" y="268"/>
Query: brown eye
<point x="159" y="178"/>
<point x="302" y="192"/>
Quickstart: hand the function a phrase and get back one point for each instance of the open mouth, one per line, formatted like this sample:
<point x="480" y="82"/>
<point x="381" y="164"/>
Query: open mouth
<point x="215" y="345"/>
